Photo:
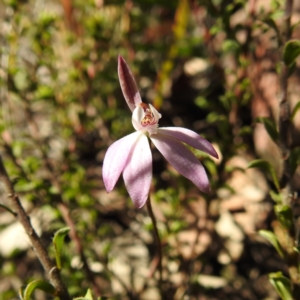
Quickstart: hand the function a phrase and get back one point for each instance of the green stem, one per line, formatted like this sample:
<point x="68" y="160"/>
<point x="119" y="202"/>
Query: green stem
<point x="156" y="237"/>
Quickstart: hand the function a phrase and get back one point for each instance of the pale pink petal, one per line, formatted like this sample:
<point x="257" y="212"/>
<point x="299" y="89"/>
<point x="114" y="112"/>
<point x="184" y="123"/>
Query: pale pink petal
<point x="182" y="159"/>
<point x="137" y="115"/>
<point x="128" y="84"/>
<point x="155" y="113"/>
<point x="115" y="159"/>
<point x="137" y="173"/>
<point x="189" y="137"/>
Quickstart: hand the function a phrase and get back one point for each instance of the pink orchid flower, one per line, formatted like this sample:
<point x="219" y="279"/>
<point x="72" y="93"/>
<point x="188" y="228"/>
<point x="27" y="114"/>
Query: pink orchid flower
<point x="132" y="155"/>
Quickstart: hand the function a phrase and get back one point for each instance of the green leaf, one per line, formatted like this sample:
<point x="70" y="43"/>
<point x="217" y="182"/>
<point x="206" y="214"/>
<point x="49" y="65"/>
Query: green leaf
<point x="202" y="102"/>
<point x="58" y="242"/>
<point x="291" y="51"/>
<point x="21" y="292"/>
<point x="23" y="185"/>
<point x="296" y="108"/>
<point x="294" y="159"/>
<point x="230" y="46"/>
<point x="44" y="92"/>
<point x="266" y="166"/>
<point x="269" y="21"/>
<point x="182" y="17"/>
<point x="284" y="215"/>
<point x="89" y="296"/>
<point x="270" y="126"/>
<point x="272" y="238"/>
<point x="211" y="166"/>
<point x="17" y="148"/>
<point x="296" y="249"/>
<point x="26" y="292"/>
<point x="282" y="285"/>
<point x="276" y="197"/>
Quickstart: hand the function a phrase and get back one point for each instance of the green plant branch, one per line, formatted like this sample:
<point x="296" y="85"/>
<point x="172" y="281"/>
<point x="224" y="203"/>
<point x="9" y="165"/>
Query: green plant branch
<point x="65" y="215"/>
<point x="64" y="210"/>
<point x="41" y="252"/>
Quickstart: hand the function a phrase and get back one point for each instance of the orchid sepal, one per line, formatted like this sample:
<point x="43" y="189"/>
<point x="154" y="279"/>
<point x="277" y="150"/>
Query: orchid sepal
<point x="191" y="138"/>
<point x="116" y="158"/>
<point x="128" y="84"/>
<point x="182" y="159"/>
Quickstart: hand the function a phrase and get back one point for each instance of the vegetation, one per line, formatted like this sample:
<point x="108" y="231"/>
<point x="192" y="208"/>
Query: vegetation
<point x="226" y="69"/>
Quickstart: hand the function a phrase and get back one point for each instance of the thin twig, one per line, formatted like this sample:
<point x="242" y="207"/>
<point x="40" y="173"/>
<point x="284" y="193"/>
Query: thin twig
<point x="156" y="237"/>
<point x="40" y="250"/>
<point x="75" y="238"/>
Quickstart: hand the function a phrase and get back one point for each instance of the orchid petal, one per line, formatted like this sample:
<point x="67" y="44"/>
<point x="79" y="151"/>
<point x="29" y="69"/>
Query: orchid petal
<point x="155" y="113"/>
<point x="128" y="84"/>
<point x="182" y="159"/>
<point x="189" y="137"/>
<point x="137" y="173"/>
<point x="116" y="158"/>
<point x="137" y="115"/>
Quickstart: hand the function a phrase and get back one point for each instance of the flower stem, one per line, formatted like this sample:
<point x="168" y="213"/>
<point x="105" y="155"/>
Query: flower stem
<point x="157" y="238"/>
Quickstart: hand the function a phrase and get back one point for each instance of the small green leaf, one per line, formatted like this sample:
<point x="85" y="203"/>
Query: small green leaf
<point x="276" y="197"/>
<point x="284" y="215"/>
<point x="21" y="292"/>
<point x="58" y="242"/>
<point x="202" y="102"/>
<point x="26" y="292"/>
<point x="270" y="126"/>
<point x="17" y="148"/>
<point x="266" y="166"/>
<point x="89" y="296"/>
<point x="23" y="185"/>
<point x="294" y="159"/>
<point x="291" y="51"/>
<point x="210" y="166"/>
<point x="272" y="238"/>
<point x="44" y="92"/>
<point x="282" y="285"/>
<point x="230" y="46"/>
<point x="296" y="108"/>
<point x="296" y="249"/>
<point x="269" y="21"/>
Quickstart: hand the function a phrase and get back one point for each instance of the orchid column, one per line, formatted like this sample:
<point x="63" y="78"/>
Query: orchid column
<point x="132" y="156"/>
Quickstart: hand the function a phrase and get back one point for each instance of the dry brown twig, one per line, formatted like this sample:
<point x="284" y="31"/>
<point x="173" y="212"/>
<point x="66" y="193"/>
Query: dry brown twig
<point x="41" y="252"/>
